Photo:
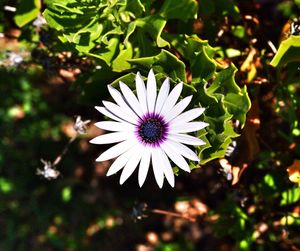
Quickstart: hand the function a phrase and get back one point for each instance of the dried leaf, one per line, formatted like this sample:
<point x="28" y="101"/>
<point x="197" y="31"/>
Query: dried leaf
<point x="294" y="172"/>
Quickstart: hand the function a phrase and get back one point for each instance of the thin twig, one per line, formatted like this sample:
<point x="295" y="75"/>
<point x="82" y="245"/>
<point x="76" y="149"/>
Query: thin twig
<point x="64" y="151"/>
<point x="173" y="214"/>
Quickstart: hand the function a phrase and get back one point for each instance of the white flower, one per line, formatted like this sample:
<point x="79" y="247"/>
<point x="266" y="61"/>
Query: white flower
<point x="80" y="125"/>
<point x="49" y="171"/>
<point x="148" y="128"/>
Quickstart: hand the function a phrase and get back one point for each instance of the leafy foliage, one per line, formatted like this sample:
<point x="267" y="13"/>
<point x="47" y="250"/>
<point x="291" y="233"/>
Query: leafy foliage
<point x="288" y="51"/>
<point x="128" y="41"/>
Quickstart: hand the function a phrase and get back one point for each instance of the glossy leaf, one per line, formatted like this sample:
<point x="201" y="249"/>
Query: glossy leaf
<point x="27" y="11"/>
<point x="288" y="51"/>
<point x="164" y="62"/>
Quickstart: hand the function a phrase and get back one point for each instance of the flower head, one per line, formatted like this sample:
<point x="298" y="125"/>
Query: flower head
<point x="149" y="128"/>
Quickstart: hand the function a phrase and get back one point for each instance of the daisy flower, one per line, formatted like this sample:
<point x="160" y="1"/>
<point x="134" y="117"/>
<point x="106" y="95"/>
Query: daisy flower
<point x="149" y="129"/>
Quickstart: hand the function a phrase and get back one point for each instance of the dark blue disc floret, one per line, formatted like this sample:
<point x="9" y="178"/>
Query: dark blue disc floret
<point x="152" y="130"/>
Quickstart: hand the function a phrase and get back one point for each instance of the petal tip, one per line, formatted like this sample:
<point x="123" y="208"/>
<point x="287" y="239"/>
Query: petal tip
<point x="99" y="159"/>
<point x="109" y="173"/>
<point x="92" y="141"/>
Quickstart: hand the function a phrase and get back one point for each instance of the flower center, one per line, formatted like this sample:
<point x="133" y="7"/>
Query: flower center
<point x="152" y="130"/>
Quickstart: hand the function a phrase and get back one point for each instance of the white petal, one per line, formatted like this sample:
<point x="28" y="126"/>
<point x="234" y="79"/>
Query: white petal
<point x="144" y="166"/>
<point x="167" y="168"/>
<point x="131" y="99"/>
<point x="117" y="96"/>
<point x="110" y="138"/>
<point x="121" y="161"/>
<point x="172" y="99"/>
<point x="131" y="165"/>
<point x="175" y="157"/>
<point x="183" y="150"/>
<point x="186" y="139"/>
<point x="107" y="113"/>
<point x="178" y="108"/>
<point x="141" y="92"/>
<point x="188" y="116"/>
<point x="157" y="168"/>
<point x="115" y="126"/>
<point x="187" y="127"/>
<point x="162" y="95"/>
<point x="151" y="91"/>
<point x="116" y="150"/>
<point x="117" y="110"/>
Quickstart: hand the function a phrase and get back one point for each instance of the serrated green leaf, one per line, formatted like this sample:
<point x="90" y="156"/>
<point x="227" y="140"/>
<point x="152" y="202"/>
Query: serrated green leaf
<point x="238" y="104"/>
<point x="27" y="11"/>
<point x="199" y="54"/>
<point x="217" y="91"/>
<point x="108" y="53"/>
<point x="288" y="51"/>
<point x="164" y="62"/>
<point x="129" y="79"/>
<point x="153" y="25"/>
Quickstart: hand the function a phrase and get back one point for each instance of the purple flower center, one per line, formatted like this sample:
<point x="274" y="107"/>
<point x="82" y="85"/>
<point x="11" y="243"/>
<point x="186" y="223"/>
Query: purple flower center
<point x="152" y="130"/>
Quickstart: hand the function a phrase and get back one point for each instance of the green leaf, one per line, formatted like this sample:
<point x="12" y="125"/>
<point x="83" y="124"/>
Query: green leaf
<point x="109" y="52"/>
<point x="288" y="51"/>
<point x="27" y="11"/>
<point x="198" y="52"/>
<point x="136" y="7"/>
<point x="238" y="31"/>
<point x="290" y="196"/>
<point x="269" y="181"/>
<point x="121" y="62"/>
<point x="130" y="30"/>
<point x="78" y="24"/>
<point x="183" y="9"/>
<point x="153" y="25"/>
<point x="129" y="79"/>
<point x="165" y="62"/>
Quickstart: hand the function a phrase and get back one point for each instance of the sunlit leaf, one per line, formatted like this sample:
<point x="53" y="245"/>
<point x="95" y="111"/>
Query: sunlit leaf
<point x="27" y="11"/>
<point x="288" y="51"/>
